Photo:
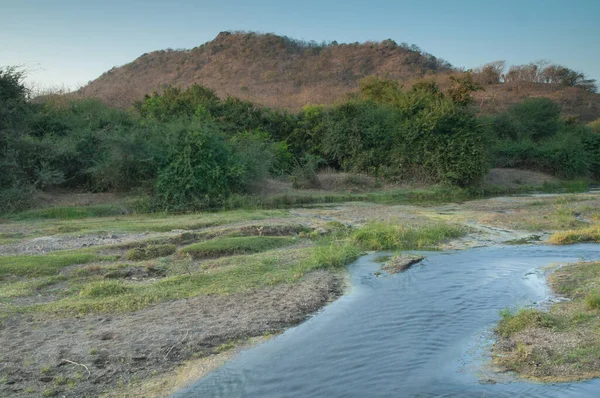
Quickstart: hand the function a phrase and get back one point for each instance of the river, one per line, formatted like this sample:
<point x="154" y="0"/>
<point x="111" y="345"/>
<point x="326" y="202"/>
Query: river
<point x="422" y="333"/>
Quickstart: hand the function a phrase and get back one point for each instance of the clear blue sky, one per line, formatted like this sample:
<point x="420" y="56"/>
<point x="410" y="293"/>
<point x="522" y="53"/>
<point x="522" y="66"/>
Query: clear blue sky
<point x="68" y="42"/>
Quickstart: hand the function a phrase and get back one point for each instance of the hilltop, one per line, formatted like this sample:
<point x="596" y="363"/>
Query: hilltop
<point x="281" y="72"/>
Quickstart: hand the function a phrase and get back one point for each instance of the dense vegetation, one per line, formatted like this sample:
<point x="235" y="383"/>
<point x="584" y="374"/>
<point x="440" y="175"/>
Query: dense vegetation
<point x="189" y="149"/>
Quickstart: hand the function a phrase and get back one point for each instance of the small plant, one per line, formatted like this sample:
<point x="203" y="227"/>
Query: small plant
<point x="61" y="380"/>
<point x="593" y="300"/>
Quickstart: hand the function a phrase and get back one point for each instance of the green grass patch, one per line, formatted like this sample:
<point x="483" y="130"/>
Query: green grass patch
<point x="227" y="275"/>
<point x="389" y="236"/>
<point x="514" y="322"/>
<point x="229" y="246"/>
<point x="49" y="264"/>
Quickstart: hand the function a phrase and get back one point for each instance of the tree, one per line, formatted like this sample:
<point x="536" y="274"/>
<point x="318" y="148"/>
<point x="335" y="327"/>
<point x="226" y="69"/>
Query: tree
<point x="463" y="86"/>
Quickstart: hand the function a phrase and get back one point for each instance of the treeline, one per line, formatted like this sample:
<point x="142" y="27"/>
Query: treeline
<point x="534" y="72"/>
<point x="189" y="149"/>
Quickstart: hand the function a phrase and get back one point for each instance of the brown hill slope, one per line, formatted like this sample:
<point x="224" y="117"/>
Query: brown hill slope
<point x="270" y="69"/>
<point x="285" y="73"/>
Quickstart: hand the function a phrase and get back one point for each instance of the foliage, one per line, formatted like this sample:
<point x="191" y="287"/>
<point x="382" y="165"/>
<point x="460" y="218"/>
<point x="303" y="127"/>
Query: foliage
<point x="200" y="171"/>
<point x="188" y="149"/>
<point x="532" y="135"/>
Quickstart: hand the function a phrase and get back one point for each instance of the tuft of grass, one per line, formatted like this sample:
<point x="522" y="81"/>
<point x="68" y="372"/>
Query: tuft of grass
<point x="234" y="245"/>
<point x="593" y="300"/>
<point x="586" y="235"/>
<point x="512" y="322"/>
<point x="334" y="255"/>
<point x="104" y="289"/>
<point x="388" y="236"/>
<point x="150" y="251"/>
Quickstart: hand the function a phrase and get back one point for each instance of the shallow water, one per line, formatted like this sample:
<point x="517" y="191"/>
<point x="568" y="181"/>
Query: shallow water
<point x="422" y="333"/>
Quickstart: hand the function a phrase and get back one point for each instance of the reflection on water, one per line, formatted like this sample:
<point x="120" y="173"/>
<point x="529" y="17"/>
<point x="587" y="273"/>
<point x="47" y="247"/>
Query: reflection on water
<point x="422" y="333"/>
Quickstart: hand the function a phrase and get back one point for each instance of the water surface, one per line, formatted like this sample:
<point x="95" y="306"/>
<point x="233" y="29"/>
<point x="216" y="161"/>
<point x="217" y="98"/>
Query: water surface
<point x="423" y="333"/>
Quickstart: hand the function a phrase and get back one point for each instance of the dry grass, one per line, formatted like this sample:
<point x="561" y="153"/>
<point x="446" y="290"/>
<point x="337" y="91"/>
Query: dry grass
<point x="591" y="234"/>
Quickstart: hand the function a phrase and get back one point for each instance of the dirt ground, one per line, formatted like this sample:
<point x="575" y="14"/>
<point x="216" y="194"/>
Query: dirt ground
<point x="117" y="350"/>
<point x="91" y="355"/>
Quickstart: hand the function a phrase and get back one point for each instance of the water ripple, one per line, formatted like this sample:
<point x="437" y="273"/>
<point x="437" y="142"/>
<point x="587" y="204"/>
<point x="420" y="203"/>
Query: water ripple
<point x="406" y="335"/>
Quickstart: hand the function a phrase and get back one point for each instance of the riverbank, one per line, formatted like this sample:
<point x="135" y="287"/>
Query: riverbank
<point x="90" y="305"/>
<point x="561" y="344"/>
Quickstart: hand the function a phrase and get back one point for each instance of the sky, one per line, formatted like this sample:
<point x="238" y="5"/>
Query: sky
<point x="66" y="43"/>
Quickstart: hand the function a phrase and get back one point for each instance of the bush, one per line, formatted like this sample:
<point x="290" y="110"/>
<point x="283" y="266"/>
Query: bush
<point x="304" y="174"/>
<point x="201" y="170"/>
<point x="593" y="300"/>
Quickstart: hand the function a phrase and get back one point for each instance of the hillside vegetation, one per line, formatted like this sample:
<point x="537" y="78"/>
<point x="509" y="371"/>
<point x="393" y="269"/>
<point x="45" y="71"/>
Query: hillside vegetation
<point x="189" y="149"/>
<point x="284" y="73"/>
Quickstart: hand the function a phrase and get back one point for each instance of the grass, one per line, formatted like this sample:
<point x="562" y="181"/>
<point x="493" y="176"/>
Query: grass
<point x="585" y="235"/>
<point x="31" y="266"/>
<point x="69" y="212"/>
<point x="27" y="287"/>
<point x="514" y="322"/>
<point x="223" y="276"/>
<point x="562" y="344"/>
<point x="234" y="245"/>
<point x="388" y="236"/>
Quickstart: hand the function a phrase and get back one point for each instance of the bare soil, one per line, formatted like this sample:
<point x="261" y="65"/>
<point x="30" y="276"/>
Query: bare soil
<point x="42" y="355"/>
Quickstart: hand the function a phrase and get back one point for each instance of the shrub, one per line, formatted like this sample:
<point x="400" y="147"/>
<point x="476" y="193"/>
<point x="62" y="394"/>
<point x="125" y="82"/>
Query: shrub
<point x="593" y="300"/>
<point x="304" y="174"/>
<point x="201" y="170"/>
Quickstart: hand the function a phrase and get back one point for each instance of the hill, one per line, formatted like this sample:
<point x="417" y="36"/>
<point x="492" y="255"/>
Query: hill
<point x="285" y="73"/>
